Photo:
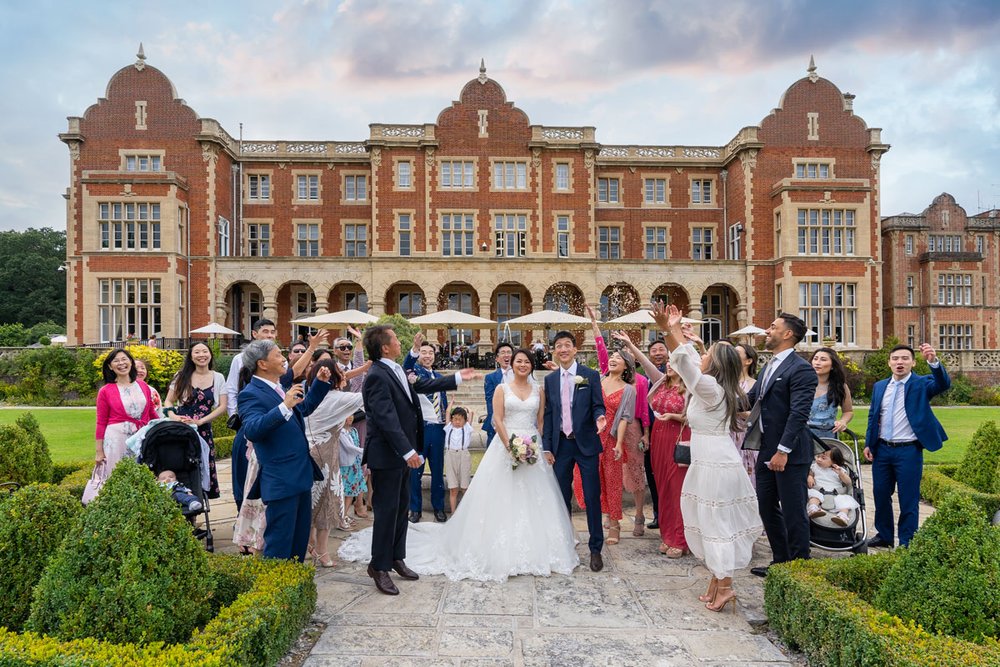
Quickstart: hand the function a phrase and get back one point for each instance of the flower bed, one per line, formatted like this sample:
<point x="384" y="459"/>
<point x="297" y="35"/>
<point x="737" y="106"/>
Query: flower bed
<point x="262" y="607"/>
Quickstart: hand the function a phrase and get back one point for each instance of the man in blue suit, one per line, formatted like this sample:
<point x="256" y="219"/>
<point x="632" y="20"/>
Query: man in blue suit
<point x="573" y="416"/>
<point x="274" y="420"/>
<point x="901" y="426"/>
<point x="503" y="374"/>
<point x="419" y="363"/>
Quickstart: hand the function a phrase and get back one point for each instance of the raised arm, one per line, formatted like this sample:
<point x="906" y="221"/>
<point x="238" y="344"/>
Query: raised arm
<point x="652" y="372"/>
<point x="602" y="349"/>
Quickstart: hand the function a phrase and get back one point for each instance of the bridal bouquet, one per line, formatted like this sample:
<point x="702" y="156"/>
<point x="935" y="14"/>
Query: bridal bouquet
<point x="523" y="449"/>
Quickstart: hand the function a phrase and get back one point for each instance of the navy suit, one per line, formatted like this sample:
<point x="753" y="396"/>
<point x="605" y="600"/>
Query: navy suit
<point x="781" y="496"/>
<point x="904" y="466"/>
<point x="490" y="384"/>
<point x="395" y="426"/>
<point x="583" y="448"/>
<point x="287" y="472"/>
<point x="433" y="445"/>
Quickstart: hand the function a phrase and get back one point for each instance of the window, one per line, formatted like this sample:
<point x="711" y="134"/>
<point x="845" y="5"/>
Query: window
<point x="911" y="335"/>
<point x="462" y="302"/>
<point x="607" y="190"/>
<point x="954" y="289"/>
<point x="562" y="176"/>
<point x="955" y="337"/>
<point x="410" y="304"/>
<point x="656" y="242"/>
<point x="457" y="175"/>
<point x="609" y="245"/>
<point x="129" y="226"/>
<point x="259" y="239"/>
<point x="909" y="290"/>
<point x="508" y="307"/>
<point x="355" y="188"/>
<point x="656" y="190"/>
<point x="355" y="240"/>
<point x="511" y="234"/>
<point x="812" y="170"/>
<point x="308" y="187"/>
<point x="128" y="306"/>
<point x="405" y="228"/>
<point x="259" y="187"/>
<point x="404" y="174"/>
<point x="308" y="240"/>
<point x="826" y="232"/>
<point x="945" y="243"/>
<point x="356" y="301"/>
<point x="981" y="245"/>
<point x="562" y="235"/>
<point x="714" y="308"/>
<point x="701" y="191"/>
<point x="830" y="309"/>
<point x="702" y="243"/>
<point x="510" y="175"/>
<point x="143" y="163"/>
<point x="457" y="234"/>
<point x="909" y="244"/>
<point x="304" y="305"/>
<point x="223" y="227"/>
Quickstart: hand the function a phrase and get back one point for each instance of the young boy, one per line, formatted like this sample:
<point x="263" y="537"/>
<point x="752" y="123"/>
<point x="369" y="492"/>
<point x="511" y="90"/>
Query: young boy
<point x="457" y="459"/>
<point x="827" y="477"/>
<point x="187" y="500"/>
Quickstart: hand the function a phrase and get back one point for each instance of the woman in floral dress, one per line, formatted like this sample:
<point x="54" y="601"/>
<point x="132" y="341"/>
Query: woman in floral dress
<point x="196" y="396"/>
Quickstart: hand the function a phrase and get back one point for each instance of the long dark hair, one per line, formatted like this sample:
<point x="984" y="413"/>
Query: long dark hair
<point x="336" y="377"/>
<point x="835" y="392"/>
<point x="752" y="356"/>
<point x="182" y="381"/>
<point x="109" y="374"/>
<point x="725" y="366"/>
<point x="628" y="373"/>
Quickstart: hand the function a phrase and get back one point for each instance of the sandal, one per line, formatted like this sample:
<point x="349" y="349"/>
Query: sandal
<point x="709" y="595"/>
<point x="675" y="552"/>
<point x="716" y="605"/>
<point x="324" y="560"/>
<point x="360" y="511"/>
<point x="614" y="534"/>
<point x="639" y="529"/>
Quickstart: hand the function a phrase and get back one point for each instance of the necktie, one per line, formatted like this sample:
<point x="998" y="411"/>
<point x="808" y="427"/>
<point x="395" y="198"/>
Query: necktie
<point x="890" y="420"/>
<point x="768" y="370"/>
<point x="436" y="402"/>
<point x="281" y="392"/>
<point x="567" y="414"/>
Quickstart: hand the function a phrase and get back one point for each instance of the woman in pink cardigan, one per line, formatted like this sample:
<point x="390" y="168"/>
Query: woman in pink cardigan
<point x="124" y="405"/>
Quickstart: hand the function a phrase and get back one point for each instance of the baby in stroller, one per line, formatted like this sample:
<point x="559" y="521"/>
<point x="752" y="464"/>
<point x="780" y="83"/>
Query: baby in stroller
<point x="829" y="486"/>
<point x="188" y="501"/>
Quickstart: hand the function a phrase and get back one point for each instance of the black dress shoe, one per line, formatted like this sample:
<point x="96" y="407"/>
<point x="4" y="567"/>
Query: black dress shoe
<point x="440" y="516"/>
<point x="596" y="562"/>
<point x="653" y="525"/>
<point x="403" y="571"/>
<point x="879" y="542"/>
<point x="382" y="581"/>
<point x="759" y="571"/>
<point x="414" y="517"/>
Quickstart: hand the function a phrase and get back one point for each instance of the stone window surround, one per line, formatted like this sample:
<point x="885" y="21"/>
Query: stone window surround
<point x="614" y="224"/>
<point x="644" y="176"/>
<point x="703" y="176"/>
<point x="396" y="212"/>
<point x="513" y="160"/>
<point x="296" y="222"/>
<point x="458" y="158"/>
<point x="361" y="222"/>
<point x="830" y="161"/>
<point x="343" y="187"/>
<point x="295" y="186"/>
<point x="493" y="213"/>
<point x="395" y="174"/>
<point x="620" y="177"/>
<point x="656" y="224"/>
<point x="570" y="189"/>
<point x="439" y="231"/>
<point x="714" y="226"/>
<point x="262" y="221"/>
<point x="143" y="152"/>
<point x="555" y="233"/>
<point x="270" y="174"/>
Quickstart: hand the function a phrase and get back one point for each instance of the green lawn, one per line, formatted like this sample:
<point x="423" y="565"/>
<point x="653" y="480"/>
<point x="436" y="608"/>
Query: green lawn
<point x="70" y="431"/>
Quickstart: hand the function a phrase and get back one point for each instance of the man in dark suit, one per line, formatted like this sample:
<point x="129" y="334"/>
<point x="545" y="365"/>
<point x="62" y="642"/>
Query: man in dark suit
<point x="901" y="426"/>
<point x="394" y="440"/>
<point x="783" y="398"/>
<point x="573" y="416"/>
<point x="273" y="419"/>
<point x="504" y="373"/>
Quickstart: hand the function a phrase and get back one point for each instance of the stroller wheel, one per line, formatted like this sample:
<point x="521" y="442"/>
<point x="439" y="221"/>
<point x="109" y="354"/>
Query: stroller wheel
<point x="860" y="548"/>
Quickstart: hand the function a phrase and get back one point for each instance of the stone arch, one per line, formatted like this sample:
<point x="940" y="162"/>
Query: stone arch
<point x="719" y="305"/>
<point x="565" y="297"/>
<point x="293" y="299"/>
<point x="242" y="305"/>
<point x="619" y="299"/>
<point x="463" y="297"/>
<point x="509" y="300"/>
<point x="671" y="293"/>
<point x="406" y="298"/>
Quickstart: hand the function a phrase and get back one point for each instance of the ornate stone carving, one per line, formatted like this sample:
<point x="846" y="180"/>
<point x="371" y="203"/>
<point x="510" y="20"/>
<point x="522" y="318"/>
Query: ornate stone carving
<point x="702" y="152"/>
<point x="414" y="131"/>
<point x="74" y="150"/>
<point x="748" y="158"/>
<point x="260" y="147"/>
<point x="986" y="360"/>
<point x="950" y="359"/>
<point x="209" y="152"/>
<point x="588" y="159"/>
<point x="309" y="147"/>
<point x="876" y="158"/>
<point x="349" y="149"/>
<point x="614" y="151"/>
<point x="376" y="157"/>
<point x="140" y="62"/>
<point x="482" y="71"/>
<point x="429" y="157"/>
<point x="813" y="76"/>
<point x="536" y="157"/>
<point x="654" y="151"/>
<point x="562" y="133"/>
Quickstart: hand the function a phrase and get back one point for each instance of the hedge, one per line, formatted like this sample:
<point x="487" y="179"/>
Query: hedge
<point x="223" y="447"/>
<point x="61" y="471"/>
<point x="808" y="604"/>
<point x="42" y="461"/>
<point x="980" y="468"/>
<point x="75" y="482"/>
<point x="273" y="601"/>
<point x="21" y="458"/>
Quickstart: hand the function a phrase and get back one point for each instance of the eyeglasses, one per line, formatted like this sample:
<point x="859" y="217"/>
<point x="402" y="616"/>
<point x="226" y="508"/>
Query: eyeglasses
<point x="345" y="347"/>
<point x="299" y="350"/>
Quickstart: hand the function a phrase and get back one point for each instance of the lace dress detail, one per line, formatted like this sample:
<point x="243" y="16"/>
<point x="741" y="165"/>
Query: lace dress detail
<point x="509" y="522"/>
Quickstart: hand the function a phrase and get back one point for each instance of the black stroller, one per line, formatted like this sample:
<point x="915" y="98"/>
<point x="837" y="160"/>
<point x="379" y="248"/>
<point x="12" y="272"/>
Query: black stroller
<point x="823" y="532"/>
<point x="171" y="445"/>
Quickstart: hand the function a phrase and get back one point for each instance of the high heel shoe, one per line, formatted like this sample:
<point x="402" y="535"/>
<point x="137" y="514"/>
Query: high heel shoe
<point x="324" y="560"/>
<point x="614" y="534"/>
<point x="718" y="606"/>
<point x="709" y="595"/>
<point x="673" y="552"/>
<point x="639" y="527"/>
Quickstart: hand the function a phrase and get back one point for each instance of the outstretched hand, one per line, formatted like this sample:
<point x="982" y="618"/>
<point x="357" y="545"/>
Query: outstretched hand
<point x="590" y="313"/>
<point x="318" y="338"/>
<point x="469" y="374"/>
<point x="928" y="351"/>
<point x="354" y="332"/>
<point x="323" y="374"/>
<point x="418" y="340"/>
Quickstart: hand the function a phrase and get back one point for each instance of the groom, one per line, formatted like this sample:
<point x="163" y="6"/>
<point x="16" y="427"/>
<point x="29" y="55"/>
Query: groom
<point x="574" y="414"/>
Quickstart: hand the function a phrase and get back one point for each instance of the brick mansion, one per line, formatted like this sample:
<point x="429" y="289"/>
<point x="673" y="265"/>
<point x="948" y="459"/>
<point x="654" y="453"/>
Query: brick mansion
<point x="173" y="223"/>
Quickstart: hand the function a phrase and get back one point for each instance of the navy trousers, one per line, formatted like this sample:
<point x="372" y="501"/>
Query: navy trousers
<point x="897" y="468"/>
<point x="781" y="501"/>
<point x="289" y="521"/>
<point x="569" y="454"/>
<point x="434" y="458"/>
<point x="240" y="465"/>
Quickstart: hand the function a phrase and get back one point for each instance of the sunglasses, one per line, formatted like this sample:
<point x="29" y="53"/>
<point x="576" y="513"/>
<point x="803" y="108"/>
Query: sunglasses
<point x="345" y="347"/>
<point x="299" y="350"/>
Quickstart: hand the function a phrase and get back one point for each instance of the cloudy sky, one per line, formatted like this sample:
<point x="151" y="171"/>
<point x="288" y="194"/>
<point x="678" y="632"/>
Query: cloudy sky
<point x="641" y="71"/>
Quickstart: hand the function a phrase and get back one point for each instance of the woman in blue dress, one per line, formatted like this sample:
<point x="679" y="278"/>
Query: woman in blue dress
<point x="832" y="393"/>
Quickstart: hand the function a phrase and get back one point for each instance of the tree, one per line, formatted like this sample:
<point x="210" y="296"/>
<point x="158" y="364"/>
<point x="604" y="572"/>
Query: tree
<point x="32" y="289"/>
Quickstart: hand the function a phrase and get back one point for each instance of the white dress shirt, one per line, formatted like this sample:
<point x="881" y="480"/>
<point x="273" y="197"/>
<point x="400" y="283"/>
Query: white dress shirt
<point x="901" y="429"/>
<point x="768" y="378"/>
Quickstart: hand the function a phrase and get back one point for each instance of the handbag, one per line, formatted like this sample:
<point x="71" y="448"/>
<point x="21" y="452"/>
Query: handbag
<point x="234" y="423"/>
<point x="682" y="450"/>
<point x="94" y="484"/>
<point x="751" y="440"/>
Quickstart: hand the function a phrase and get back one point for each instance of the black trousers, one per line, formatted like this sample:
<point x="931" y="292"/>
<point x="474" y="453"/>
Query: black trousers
<point x="781" y="500"/>
<point x="390" y="500"/>
<point x="651" y="483"/>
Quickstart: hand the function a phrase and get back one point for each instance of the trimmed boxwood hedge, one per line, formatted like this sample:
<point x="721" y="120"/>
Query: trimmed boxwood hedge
<point x="939" y="481"/>
<point x="61" y="471"/>
<point x="810" y="603"/>
<point x="224" y="447"/>
<point x="21" y="457"/>
<point x="266" y="605"/>
<point x="980" y="468"/>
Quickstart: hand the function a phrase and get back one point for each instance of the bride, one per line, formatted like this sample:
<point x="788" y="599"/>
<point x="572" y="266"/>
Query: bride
<point x="510" y="521"/>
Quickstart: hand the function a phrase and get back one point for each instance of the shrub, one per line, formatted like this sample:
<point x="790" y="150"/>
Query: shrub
<point x="223" y="362"/>
<point x="130" y="570"/>
<point x="224" y="447"/>
<point x="33" y="522"/>
<point x="42" y="460"/>
<point x="219" y="428"/>
<point x="13" y="335"/>
<point x="48" y="375"/>
<point x="19" y="458"/>
<point x="985" y="396"/>
<point x="980" y="464"/>
<point x="405" y="331"/>
<point x="75" y="482"/>
<point x="61" y="471"/>
<point x="960" y="392"/>
<point x="161" y="364"/>
<point x="946" y="580"/>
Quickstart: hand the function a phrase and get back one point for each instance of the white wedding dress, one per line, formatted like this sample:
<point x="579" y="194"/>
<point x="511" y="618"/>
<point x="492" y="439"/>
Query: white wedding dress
<point x="510" y="521"/>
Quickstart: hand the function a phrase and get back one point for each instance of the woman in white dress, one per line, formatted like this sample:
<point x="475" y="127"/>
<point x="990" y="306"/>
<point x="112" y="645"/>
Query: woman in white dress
<point x="510" y="521"/>
<point x="719" y="505"/>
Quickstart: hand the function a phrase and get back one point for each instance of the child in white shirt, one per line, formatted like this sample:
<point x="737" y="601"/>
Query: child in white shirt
<point x="457" y="459"/>
<point x="828" y="478"/>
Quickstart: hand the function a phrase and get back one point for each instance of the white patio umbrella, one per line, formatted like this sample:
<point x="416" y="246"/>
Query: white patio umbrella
<point x="749" y="330"/>
<point x="59" y="339"/>
<point x="215" y="329"/>
<point x="452" y="319"/>
<point x="547" y="319"/>
<point x="338" y="320"/>
<point x="641" y="319"/>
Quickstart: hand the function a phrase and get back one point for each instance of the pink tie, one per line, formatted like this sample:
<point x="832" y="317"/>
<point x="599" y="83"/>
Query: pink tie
<point x="567" y="414"/>
<point x="281" y="392"/>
